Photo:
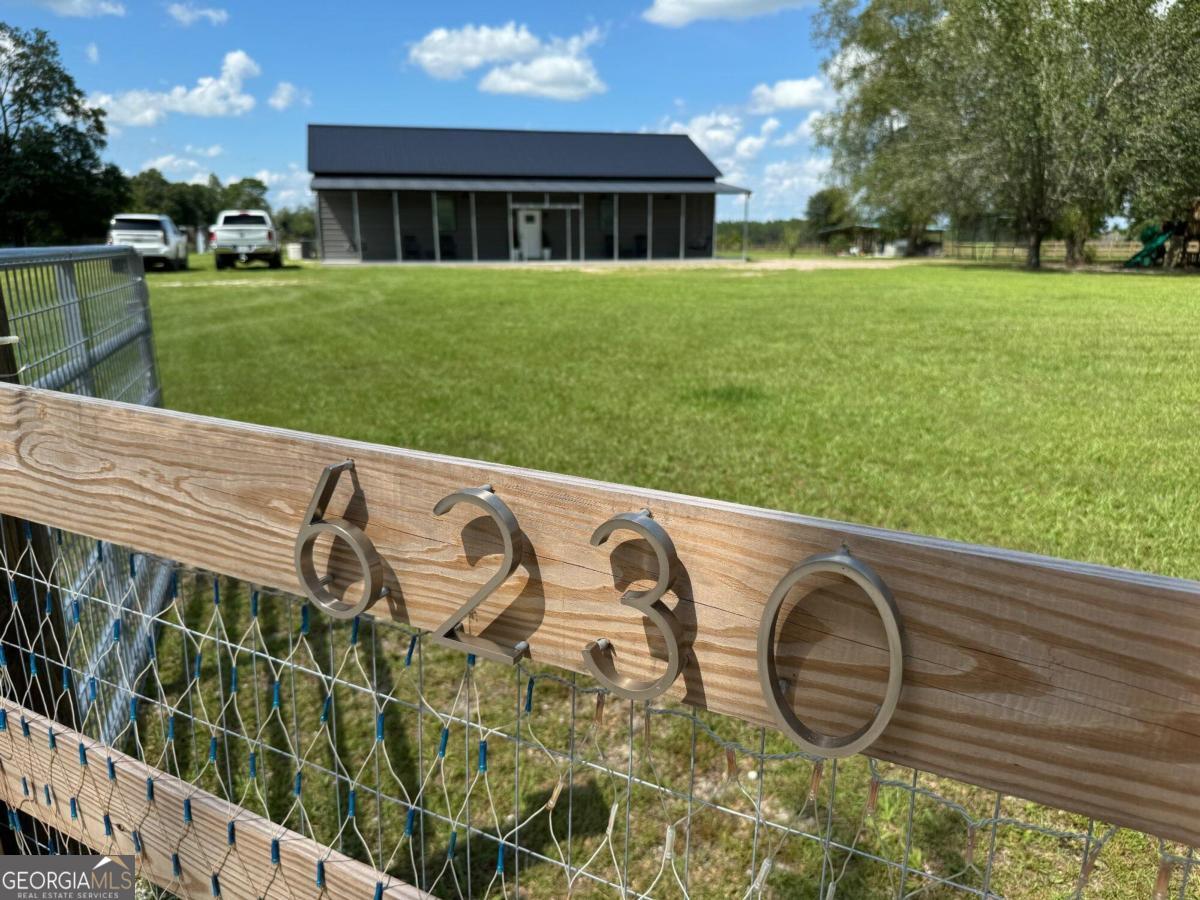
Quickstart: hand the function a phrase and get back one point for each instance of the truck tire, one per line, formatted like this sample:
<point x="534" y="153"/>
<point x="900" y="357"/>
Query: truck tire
<point x="276" y="261"/>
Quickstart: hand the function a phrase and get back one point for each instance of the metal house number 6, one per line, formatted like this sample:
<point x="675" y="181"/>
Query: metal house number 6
<point x="315" y="525"/>
<point x="598" y="655"/>
<point x="872" y="585"/>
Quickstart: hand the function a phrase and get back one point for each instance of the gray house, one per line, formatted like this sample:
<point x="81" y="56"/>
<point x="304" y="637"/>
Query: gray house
<point x="434" y="194"/>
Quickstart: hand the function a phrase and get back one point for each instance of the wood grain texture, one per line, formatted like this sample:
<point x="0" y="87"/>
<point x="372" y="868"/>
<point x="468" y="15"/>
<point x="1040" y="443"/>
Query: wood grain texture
<point x="1073" y="685"/>
<point x="244" y="869"/>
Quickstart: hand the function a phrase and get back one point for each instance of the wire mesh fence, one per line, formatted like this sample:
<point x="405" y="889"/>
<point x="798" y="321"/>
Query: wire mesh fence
<point x="472" y="779"/>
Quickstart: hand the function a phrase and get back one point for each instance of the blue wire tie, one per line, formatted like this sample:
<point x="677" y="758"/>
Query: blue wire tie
<point x="320" y="873"/>
<point x="174" y="584"/>
<point x="529" y="695"/>
<point x="24" y="727"/>
<point x="107" y="825"/>
<point x="176" y="868"/>
<point x="325" y="707"/>
<point x="350" y="810"/>
<point x="216" y="591"/>
<point x="82" y="754"/>
<point x="24" y="785"/>
<point x="13" y="822"/>
<point x="212" y="749"/>
<point x="132" y="566"/>
<point x="32" y="665"/>
<point x="3" y="720"/>
<point x="92" y="689"/>
<point x="304" y="618"/>
<point x="408" y="822"/>
<point x="48" y="608"/>
<point x="483" y="756"/>
<point x="149" y="789"/>
<point x="116" y="630"/>
<point x="231" y="833"/>
<point x="74" y="611"/>
<point x="171" y="727"/>
<point x="254" y="604"/>
<point x="137" y="842"/>
<point x="470" y="659"/>
<point x="52" y="845"/>
<point x="379" y="890"/>
<point x="51" y="741"/>
<point x="500" y="859"/>
<point x="187" y="810"/>
<point x="412" y="645"/>
<point x="100" y="550"/>
<point x="216" y="885"/>
<point x="354" y="623"/>
<point x="58" y="536"/>
<point x="112" y="770"/>
<point x="12" y="591"/>
<point x="3" y="658"/>
<point x="66" y="679"/>
<point x="275" y="851"/>
<point x="299" y="783"/>
<point x="151" y="650"/>
<point x="199" y="661"/>
<point x="453" y="844"/>
<point x="443" y="742"/>
<point x="253" y="764"/>
<point x="379" y="728"/>
<point x="46" y="793"/>
<point x="74" y="809"/>
<point x="132" y="709"/>
<point x="233" y="681"/>
<point x="275" y="696"/>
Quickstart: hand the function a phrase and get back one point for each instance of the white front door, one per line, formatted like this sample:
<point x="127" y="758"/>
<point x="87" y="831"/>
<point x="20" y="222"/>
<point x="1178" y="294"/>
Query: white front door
<point x="529" y="233"/>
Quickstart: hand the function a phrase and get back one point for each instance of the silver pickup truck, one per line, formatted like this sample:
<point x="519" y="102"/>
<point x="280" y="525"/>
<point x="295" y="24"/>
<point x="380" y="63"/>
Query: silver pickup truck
<point x="241" y="235"/>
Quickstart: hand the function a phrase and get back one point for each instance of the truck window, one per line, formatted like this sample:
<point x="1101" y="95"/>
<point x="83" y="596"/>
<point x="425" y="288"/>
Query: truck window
<point x="244" y="219"/>
<point x="120" y="224"/>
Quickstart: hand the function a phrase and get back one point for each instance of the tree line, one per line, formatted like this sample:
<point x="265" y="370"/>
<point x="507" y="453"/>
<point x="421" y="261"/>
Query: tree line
<point x="1050" y="115"/>
<point x="55" y="188"/>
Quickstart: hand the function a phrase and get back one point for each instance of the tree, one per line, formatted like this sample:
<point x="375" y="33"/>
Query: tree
<point x="297" y="224"/>
<point x="1038" y="111"/>
<point x="828" y="208"/>
<point x="53" y="186"/>
<point x="248" y="193"/>
<point x="793" y="235"/>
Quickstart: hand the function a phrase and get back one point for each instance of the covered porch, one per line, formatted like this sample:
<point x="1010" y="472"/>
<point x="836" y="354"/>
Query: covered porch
<point x="382" y="219"/>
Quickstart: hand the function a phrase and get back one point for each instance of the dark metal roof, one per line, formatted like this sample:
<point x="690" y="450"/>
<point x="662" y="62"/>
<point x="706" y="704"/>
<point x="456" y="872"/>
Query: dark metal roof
<point x="493" y="153"/>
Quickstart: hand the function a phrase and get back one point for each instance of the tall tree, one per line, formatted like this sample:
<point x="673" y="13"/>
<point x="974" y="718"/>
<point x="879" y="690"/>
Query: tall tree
<point x="1034" y="110"/>
<point x="53" y="185"/>
<point x="828" y="208"/>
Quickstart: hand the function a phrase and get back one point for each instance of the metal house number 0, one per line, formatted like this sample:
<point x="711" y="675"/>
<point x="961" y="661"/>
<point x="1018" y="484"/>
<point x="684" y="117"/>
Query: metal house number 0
<point x="872" y="585"/>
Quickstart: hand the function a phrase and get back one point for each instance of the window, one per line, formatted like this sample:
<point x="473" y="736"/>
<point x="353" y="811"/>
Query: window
<point x="606" y="215"/>
<point x="244" y="219"/>
<point x="446" y="210"/>
<point x="119" y="224"/>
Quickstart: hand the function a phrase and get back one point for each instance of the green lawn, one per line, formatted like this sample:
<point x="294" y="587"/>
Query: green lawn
<point x="1052" y="413"/>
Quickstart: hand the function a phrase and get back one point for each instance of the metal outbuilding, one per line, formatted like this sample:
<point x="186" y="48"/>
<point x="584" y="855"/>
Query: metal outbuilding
<point x="384" y="193"/>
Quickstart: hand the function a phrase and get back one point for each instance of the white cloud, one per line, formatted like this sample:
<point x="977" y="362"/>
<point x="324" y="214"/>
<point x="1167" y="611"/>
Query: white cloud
<point x="796" y="93"/>
<point x="171" y="162"/>
<point x="210" y="151"/>
<point x="452" y="52"/>
<point x="522" y="63"/>
<point x="86" y="9"/>
<point x="188" y="14"/>
<point x="287" y="188"/>
<point x="287" y="94"/>
<point x="92" y="52"/>
<point x="793" y="181"/>
<point x="676" y="13"/>
<point x="211" y="96"/>
<point x="802" y="133"/>
<point x="752" y="145"/>
<point x="714" y="132"/>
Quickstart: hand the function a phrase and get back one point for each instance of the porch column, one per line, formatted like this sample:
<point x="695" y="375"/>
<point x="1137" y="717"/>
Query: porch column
<point x="396" y="226"/>
<point x="357" y="227"/>
<point x="649" y="226"/>
<point x="582" y="242"/>
<point x="682" y="226"/>
<point x="474" y="232"/>
<point x="745" y="223"/>
<point x="712" y="241"/>
<point x="437" y="236"/>
<point x="509" y="229"/>
<point x="320" y="235"/>
<point x="568" y="212"/>
<point x="616" y="226"/>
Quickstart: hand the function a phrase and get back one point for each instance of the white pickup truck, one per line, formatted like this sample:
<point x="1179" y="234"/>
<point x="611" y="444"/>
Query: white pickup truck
<point x="243" y="235"/>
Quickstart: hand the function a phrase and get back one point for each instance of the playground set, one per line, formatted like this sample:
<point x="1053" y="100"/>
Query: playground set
<point x="1173" y="244"/>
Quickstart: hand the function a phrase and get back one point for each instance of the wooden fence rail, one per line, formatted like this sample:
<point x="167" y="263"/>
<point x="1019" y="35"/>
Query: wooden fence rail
<point x="1073" y="685"/>
<point x="61" y="778"/>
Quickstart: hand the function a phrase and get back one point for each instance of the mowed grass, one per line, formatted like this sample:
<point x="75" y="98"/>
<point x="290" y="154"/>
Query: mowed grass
<point x="1052" y="413"/>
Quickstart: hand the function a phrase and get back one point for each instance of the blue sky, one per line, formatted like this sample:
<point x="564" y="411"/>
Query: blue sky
<point x="200" y="86"/>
